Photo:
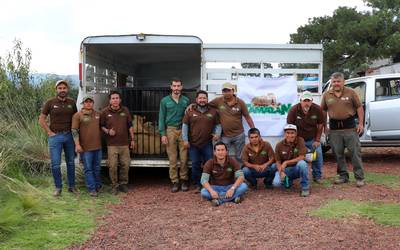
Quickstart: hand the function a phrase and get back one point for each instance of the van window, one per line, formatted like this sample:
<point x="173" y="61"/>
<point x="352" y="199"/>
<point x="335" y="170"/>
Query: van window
<point x="359" y="88"/>
<point x="388" y="88"/>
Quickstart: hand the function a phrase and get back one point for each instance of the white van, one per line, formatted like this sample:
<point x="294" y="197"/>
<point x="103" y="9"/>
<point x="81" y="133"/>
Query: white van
<point x="141" y="65"/>
<point x="380" y="96"/>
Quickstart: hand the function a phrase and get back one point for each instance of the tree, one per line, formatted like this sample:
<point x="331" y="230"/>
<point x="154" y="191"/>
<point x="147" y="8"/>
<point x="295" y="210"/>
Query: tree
<point x="353" y="39"/>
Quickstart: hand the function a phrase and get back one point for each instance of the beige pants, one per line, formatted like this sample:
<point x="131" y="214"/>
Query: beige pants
<point x="118" y="155"/>
<point x="175" y="143"/>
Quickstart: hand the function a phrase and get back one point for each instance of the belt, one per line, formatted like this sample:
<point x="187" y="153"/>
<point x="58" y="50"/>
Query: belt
<point x="176" y="127"/>
<point x="62" y="132"/>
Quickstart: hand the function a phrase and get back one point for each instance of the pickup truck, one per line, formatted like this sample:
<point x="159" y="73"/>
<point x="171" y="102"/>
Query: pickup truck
<point x="380" y="96"/>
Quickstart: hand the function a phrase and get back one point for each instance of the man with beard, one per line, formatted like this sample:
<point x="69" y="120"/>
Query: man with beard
<point x="231" y="109"/>
<point x="289" y="156"/>
<point x="60" y="109"/>
<point x="200" y="127"/>
<point x="116" y="123"/>
<point x="172" y="109"/>
<point x="258" y="160"/>
<point x="222" y="178"/>
<point x="309" y="119"/>
<point x="342" y="105"/>
<point x="87" y="136"/>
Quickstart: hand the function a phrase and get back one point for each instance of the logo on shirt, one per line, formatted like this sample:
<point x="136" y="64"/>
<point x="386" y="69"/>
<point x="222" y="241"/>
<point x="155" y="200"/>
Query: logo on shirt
<point x="194" y="115"/>
<point x="122" y="114"/>
<point x="299" y="118"/>
<point x="97" y="117"/>
<point x="263" y="152"/>
<point x="222" y="107"/>
<point x="284" y="152"/>
<point x="330" y="100"/>
<point x="229" y="169"/>
<point x="55" y="106"/>
<point x="345" y="98"/>
<point x="109" y="115"/>
<point x="209" y="115"/>
<point x="295" y="150"/>
<point x="314" y="117"/>
<point x="69" y="106"/>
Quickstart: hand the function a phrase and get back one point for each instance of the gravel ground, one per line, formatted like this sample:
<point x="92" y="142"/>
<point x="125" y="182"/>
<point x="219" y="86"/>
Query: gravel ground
<point x="150" y="217"/>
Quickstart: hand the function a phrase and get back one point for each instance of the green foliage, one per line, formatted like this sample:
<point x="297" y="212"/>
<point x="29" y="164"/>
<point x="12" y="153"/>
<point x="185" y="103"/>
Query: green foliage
<point x="381" y="213"/>
<point x="353" y="39"/>
<point x="43" y="222"/>
<point x="391" y="181"/>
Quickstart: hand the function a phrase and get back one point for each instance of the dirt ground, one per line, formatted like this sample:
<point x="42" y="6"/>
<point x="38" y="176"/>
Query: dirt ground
<point x="151" y="217"/>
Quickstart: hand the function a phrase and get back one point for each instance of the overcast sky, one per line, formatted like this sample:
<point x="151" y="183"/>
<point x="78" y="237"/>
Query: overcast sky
<point x="53" y="29"/>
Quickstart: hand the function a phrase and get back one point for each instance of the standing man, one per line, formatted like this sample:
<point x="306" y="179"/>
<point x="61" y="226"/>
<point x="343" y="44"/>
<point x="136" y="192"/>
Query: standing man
<point x="309" y="120"/>
<point x="231" y="109"/>
<point x="342" y="105"/>
<point x="116" y="123"/>
<point x="87" y="136"/>
<point x="289" y="156"/>
<point x="200" y="127"/>
<point x="258" y="160"/>
<point x="172" y="109"/>
<point x="60" y="109"/>
<point x="218" y="178"/>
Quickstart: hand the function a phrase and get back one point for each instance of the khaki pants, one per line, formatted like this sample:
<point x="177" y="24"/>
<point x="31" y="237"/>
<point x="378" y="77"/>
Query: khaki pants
<point x="339" y="140"/>
<point x="175" y="142"/>
<point x="118" y="155"/>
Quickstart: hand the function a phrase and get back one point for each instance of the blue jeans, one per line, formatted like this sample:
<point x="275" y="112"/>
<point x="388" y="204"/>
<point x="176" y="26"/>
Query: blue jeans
<point x="300" y="170"/>
<point x="268" y="174"/>
<point x="57" y="143"/>
<point x="91" y="166"/>
<point x="235" y="146"/>
<point x="198" y="156"/>
<point x="221" y="190"/>
<point x="318" y="163"/>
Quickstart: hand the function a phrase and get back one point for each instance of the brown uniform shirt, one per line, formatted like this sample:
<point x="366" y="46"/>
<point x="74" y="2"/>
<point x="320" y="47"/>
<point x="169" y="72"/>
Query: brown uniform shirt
<point x="287" y="151"/>
<point x="263" y="155"/>
<point x="60" y="112"/>
<point x="306" y="123"/>
<point x="201" y="125"/>
<point x="119" y="120"/>
<point x="343" y="107"/>
<point x="230" y="116"/>
<point x="88" y="124"/>
<point x="221" y="175"/>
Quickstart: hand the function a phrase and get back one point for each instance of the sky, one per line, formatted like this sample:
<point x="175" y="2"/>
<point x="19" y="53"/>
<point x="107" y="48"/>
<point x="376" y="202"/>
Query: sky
<point x="54" y="29"/>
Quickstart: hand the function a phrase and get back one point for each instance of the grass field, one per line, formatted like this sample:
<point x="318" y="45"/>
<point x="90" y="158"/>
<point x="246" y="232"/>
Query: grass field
<point x="379" y="212"/>
<point x="33" y="219"/>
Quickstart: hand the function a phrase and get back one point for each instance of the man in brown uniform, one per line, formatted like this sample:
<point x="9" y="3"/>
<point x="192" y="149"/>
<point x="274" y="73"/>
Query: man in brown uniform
<point x="60" y="109"/>
<point x="231" y="109"/>
<point x="218" y="178"/>
<point x="116" y="123"/>
<point x="309" y="119"/>
<point x="258" y="160"/>
<point x="342" y="105"/>
<point x="289" y="156"/>
<point x="200" y="127"/>
<point x="87" y="136"/>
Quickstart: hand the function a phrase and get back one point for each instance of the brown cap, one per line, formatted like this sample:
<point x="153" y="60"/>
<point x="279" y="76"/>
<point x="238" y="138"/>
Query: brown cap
<point x="62" y="82"/>
<point x="229" y="85"/>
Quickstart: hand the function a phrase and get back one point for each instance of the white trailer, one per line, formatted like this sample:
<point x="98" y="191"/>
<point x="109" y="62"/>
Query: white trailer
<point x="141" y="65"/>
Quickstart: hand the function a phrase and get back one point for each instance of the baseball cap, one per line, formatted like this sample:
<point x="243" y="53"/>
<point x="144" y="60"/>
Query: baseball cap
<point x="306" y="95"/>
<point x="228" y="85"/>
<point x="87" y="98"/>
<point x="62" y="82"/>
<point x="290" y="127"/>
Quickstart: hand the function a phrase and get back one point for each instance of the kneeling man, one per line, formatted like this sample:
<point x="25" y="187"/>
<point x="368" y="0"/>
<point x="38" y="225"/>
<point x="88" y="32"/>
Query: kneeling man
<point x="218" y="178"/>
<point x="289" y="156"/>
<point x="258" y="159"/>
